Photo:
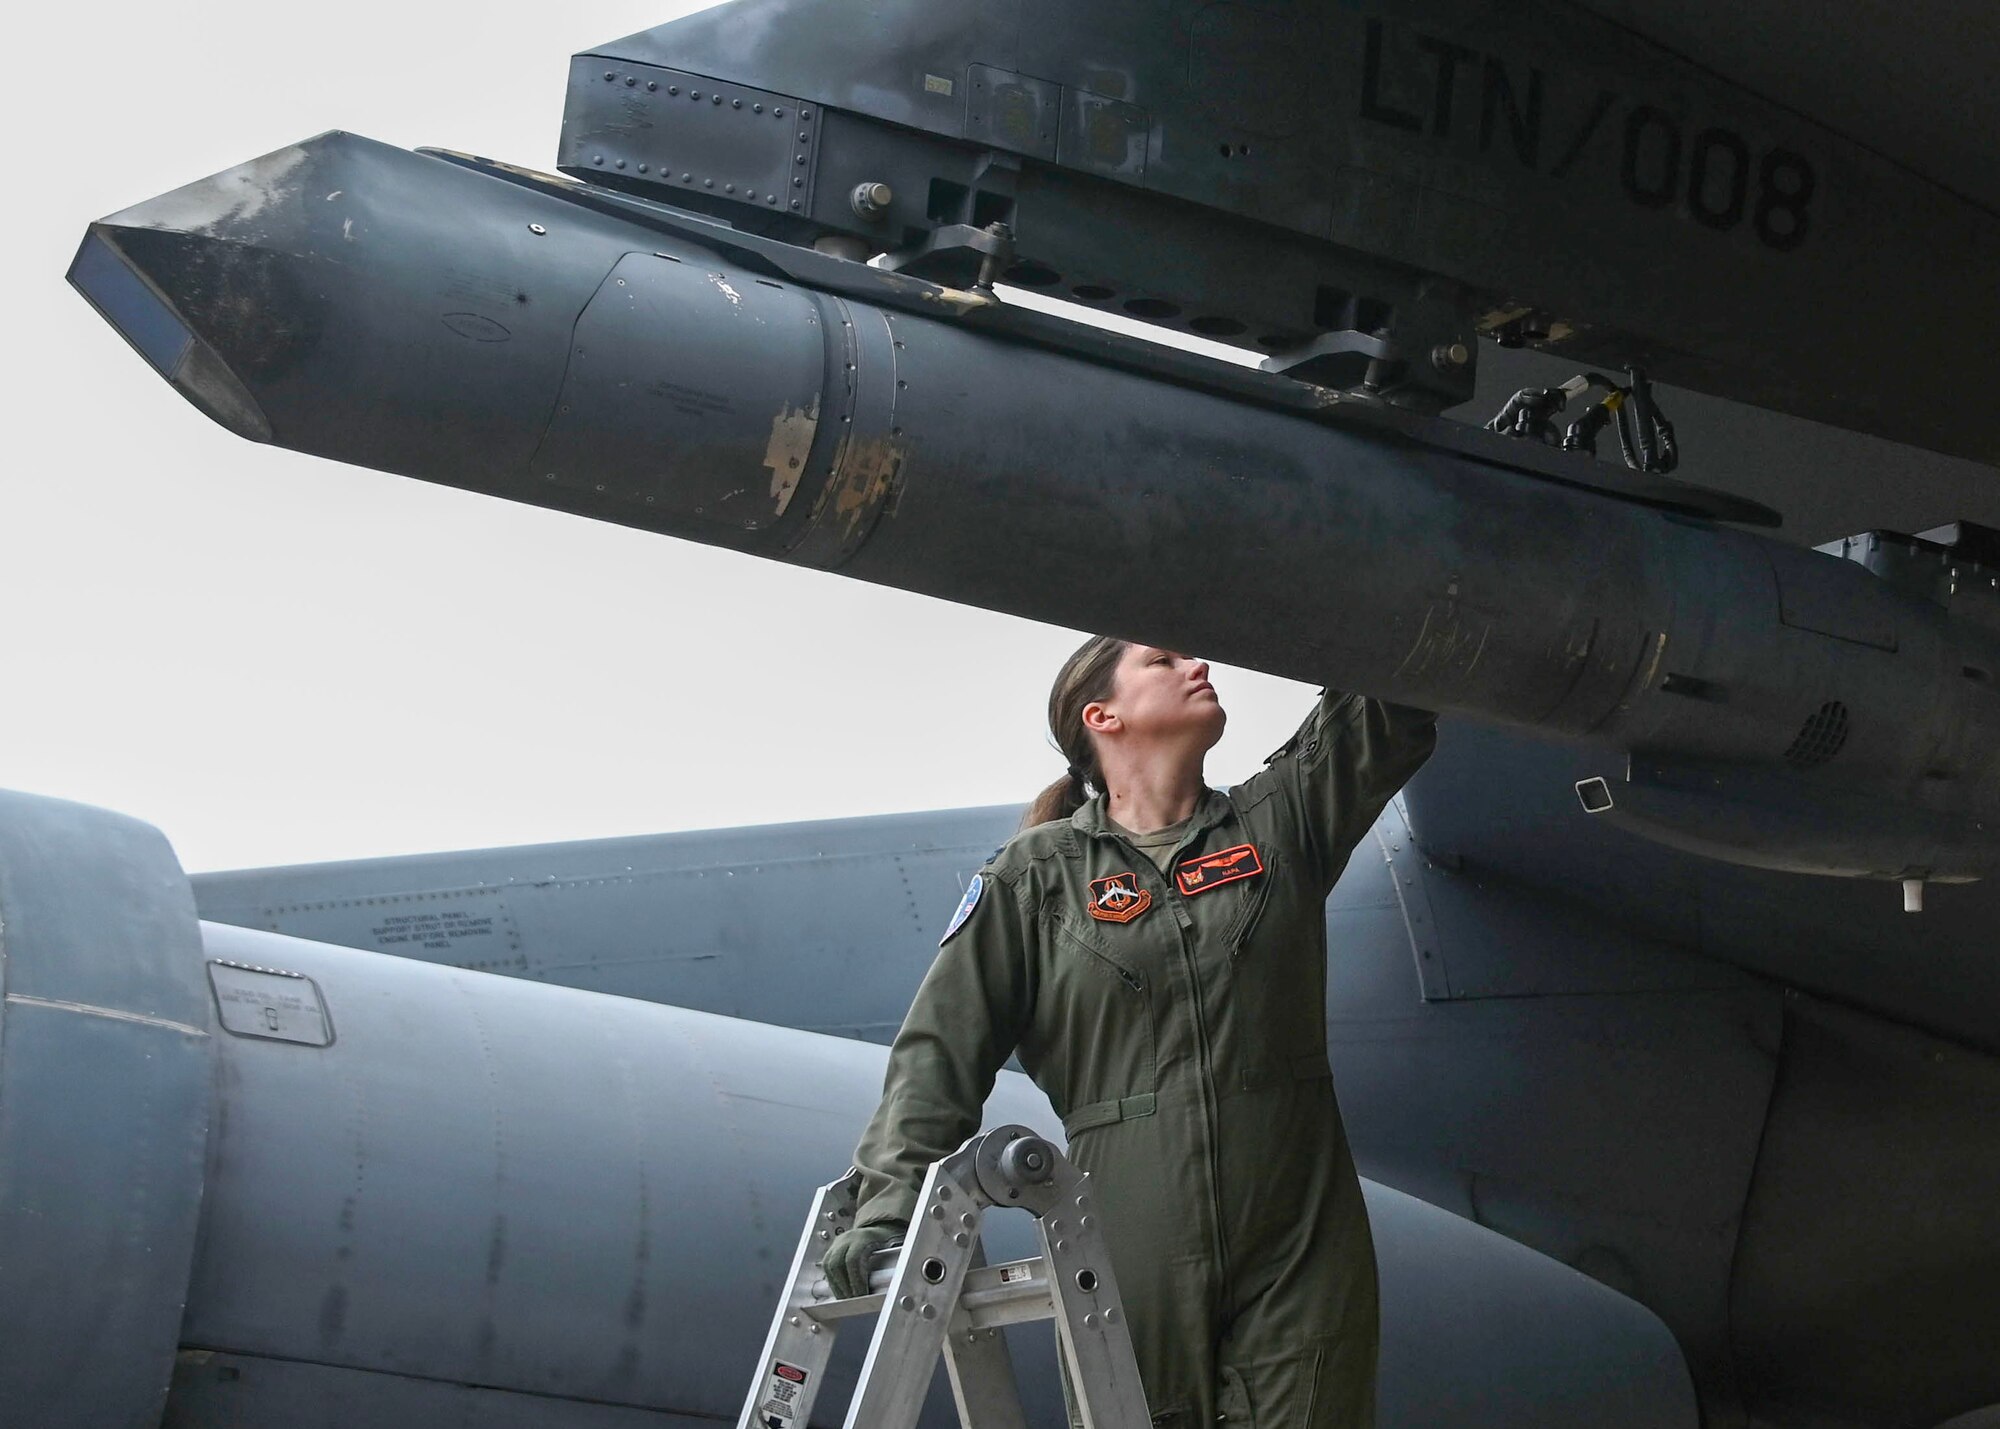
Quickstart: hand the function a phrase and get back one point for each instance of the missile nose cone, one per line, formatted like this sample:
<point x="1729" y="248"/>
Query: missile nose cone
<point x="343" y="298"/>
<point x="129" y="297"/>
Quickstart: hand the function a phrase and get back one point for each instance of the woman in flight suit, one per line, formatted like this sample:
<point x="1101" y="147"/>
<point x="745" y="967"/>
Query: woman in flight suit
<point x="1157" y="954"/>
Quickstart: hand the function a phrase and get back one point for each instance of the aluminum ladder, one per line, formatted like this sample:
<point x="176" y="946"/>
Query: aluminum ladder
<point x="938" y="1295"/>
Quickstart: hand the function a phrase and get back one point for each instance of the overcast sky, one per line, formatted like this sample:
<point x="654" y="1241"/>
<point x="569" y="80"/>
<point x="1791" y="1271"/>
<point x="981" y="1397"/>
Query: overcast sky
<point x="278" y="659"/>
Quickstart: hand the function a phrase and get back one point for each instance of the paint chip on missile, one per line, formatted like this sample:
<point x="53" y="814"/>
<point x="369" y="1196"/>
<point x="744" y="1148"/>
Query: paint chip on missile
<point x="785" y="454"/>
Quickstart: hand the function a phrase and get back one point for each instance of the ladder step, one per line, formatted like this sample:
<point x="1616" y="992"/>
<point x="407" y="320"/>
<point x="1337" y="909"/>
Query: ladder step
<point x="994" y="1295"/>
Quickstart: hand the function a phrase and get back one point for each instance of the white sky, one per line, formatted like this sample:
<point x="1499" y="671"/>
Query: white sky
<point x="278" y="659"/>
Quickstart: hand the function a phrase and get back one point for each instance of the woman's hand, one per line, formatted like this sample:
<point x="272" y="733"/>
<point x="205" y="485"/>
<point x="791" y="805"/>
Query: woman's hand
<point x="846" y="1260"/>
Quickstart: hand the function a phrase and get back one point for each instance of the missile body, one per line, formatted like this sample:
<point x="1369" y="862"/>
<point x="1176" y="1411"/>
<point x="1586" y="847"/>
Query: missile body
<point x="552" y="343"/>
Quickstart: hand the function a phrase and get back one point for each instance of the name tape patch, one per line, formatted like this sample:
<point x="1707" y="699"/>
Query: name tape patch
<point x="1210" y="871"/>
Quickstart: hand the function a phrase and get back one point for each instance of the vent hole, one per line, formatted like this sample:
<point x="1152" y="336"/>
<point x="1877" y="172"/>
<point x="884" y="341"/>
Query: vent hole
<point x="1152" y="308"/>
<point x="1217" y="327"/>
<point x="1820" y="737"/>
<point x="1031" y="275"/>
<point x="1093" y="292"/>
<point x="1975" y="674"/>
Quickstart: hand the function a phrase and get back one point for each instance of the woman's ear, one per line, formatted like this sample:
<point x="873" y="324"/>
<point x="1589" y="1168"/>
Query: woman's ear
<point x="1098" y="719"/>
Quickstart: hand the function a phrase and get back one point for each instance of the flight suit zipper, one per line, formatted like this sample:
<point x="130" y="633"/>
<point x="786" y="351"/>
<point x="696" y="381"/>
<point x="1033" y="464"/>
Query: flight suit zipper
<point x="1205" y="1055"/>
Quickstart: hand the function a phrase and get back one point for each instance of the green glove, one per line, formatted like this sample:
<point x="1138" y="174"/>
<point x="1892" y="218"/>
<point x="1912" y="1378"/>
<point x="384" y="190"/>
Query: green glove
<point x="846" y="1260"/>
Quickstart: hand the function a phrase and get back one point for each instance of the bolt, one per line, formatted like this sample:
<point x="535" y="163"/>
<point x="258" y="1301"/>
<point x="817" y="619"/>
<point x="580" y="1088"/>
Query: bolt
<point x="870" y="200"/>
<point x="1089" y="1322"/>
<point x="735" y="104"/>
<point x="642" y="168"/>
<point x="652" y="84"/>
<point x="756" y="109"/>
<point x="597" y="159"/>
<point x="826" y="1235"/>
<point x="961" y="1239"/>
<point x="631" y="82"/>
<point x="930" y="1311"/>
<point x="609" y="76"/>
<point x="619" y="164"/>
<point x="729" y="188"/>
<point x="1447" y="355"/>
<point x="777" y="114"/>
<point x="805" y="116"/>
<point x="537" y="229"/>
<point x="715" y="99"/>
<point x="906" y="1303"/>
<point x="673" y="89"/>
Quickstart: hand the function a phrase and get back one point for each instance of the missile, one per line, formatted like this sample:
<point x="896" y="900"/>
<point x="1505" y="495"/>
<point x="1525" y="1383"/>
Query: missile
<point x="462" y="321"/>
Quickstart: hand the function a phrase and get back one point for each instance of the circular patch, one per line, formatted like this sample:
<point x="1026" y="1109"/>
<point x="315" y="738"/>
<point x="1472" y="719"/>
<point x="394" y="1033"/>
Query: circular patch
<point x="965" y="907"/>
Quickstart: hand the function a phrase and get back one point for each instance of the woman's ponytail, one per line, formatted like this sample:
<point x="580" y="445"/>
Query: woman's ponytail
<point x="1087" y="676"/>
<point x="1058" y="801"/>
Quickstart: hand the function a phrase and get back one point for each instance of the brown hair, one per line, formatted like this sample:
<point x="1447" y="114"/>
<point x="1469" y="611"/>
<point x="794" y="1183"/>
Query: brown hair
<point x="1086" y="676"/>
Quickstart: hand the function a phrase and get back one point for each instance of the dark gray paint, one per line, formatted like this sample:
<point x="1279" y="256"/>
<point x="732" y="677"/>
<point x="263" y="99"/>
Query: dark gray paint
<point x="1460" y="153"/>
<point x="791" y="423"/>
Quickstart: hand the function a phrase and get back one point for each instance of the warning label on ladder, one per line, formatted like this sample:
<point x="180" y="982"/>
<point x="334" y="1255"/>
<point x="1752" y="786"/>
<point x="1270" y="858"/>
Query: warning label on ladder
<point x="781" y="1392"/>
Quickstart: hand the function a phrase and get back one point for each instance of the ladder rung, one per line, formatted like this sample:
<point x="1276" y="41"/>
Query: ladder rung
<point x="994" y="1295"/>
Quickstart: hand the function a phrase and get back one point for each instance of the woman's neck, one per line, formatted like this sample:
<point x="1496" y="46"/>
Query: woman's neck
<point x="1146" y="799"/>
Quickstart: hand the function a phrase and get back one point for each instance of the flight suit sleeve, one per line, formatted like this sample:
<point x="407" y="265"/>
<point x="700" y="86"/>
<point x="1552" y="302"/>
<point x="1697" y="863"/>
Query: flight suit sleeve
<point x="969" y="1013"/>
<point x="1331" y="779"/>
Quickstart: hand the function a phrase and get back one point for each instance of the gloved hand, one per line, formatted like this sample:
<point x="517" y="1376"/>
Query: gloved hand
<point x="846" y="1260"/>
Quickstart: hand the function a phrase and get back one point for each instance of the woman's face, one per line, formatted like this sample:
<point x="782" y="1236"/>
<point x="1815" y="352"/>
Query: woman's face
<point x="1160" y="694"/>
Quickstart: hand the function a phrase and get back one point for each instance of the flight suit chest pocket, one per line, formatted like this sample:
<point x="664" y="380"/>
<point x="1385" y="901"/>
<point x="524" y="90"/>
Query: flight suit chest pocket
<point x="1096" y="1017"/>
<point x="1084" y="948"/>
<point x="1251" y="897"/>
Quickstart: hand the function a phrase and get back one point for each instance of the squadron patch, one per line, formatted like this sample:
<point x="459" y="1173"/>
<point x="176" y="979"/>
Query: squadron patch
<point x="965" y="907"/>
<point x="1211" y="870"/>
<point x="1119" y="898"/>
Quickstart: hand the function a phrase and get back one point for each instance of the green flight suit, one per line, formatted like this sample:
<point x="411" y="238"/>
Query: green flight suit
<point x="1184" y="1047"/>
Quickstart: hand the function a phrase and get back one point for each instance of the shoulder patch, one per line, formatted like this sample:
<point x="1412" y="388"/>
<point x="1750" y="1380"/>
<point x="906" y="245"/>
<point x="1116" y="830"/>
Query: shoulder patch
<point x="965" y="906"/>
